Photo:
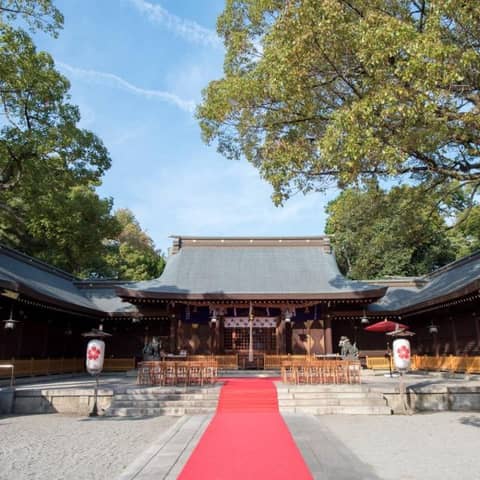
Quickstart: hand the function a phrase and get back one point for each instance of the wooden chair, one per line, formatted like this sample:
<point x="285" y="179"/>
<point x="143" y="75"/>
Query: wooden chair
<point x="181" y="373"/>
<point x="195" y="373"/>
<point x="170" y="377"/>
<point x="144" y="373"/>
<point x="354" y="372"/>
<point x="302" y="373"/>
<point x="210" y="371"/>
<point x="157" y="373"/>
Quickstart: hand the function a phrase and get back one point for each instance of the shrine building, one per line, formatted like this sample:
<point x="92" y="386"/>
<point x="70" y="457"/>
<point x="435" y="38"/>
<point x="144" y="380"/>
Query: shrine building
<point x="226" y="296"/>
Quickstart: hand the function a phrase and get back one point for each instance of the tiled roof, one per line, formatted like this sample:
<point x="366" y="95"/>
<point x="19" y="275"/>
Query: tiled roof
<point x="451" y="281"/>
<point x="41" y="282"/>
<point x="252" y="269"/>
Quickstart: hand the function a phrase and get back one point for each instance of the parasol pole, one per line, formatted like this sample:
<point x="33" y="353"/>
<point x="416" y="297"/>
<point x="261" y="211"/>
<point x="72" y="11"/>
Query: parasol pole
<point x="389" y="359"/>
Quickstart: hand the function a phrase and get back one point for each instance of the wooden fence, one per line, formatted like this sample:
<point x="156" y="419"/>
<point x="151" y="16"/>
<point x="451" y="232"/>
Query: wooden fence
<point x="50" y="366"/>
<point x="450" y="363"/>
<point x="274" y="362"/>
<point x="379" y="363"/>
<point x="43" y="366"/>
<point x="119" y="364"/>
<point x="224" y="362"/>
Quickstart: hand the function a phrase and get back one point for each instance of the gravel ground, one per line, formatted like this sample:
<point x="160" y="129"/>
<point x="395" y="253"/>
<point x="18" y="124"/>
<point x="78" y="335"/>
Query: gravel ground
<point x="427" y="446"/>
<point x="59" y="447"/>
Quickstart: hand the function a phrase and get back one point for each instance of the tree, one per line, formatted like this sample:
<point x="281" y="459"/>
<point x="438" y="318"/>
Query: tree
<point x="401" y="232"/>
<point x="37" y="14"/>
<point x="132" y="254"/>
<point x="38" y="122"/>
<point x="49" y="167"/>
<point x="321" y="90"/>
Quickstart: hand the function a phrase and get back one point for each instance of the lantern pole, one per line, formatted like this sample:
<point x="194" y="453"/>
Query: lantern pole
<point x="94" y="412"/>
<point x="94" y="362"/>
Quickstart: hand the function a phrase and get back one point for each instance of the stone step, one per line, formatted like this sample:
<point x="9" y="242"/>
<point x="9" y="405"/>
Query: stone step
<point x="282" y="388"/>
<point x="166" y="396"/>
<point x="172" y="391"/>
<point x="313" y="395"/>
<point x="156" y="412"/>
<point x="340" y="410"/>
<point x="378" y="401"/>
<point x="167" y="403"/>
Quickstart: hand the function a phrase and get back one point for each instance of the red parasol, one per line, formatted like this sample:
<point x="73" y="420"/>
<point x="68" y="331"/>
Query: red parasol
<point x="386" y="326"/>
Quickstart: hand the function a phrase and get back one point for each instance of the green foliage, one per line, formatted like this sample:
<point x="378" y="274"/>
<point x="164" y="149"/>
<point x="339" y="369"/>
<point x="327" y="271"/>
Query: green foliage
<point x="332" y="90"/>
<point x="377" y="233"/>
<point x="38" y="122"/>
<point x="49" y="167"/>
<point x="37" y="14"/>
<point x="68" y="228"/>
<point x="132" y="255"/>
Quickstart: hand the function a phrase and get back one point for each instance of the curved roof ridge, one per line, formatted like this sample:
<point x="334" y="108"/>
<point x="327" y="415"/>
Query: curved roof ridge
<point x="452" y="265"/>
<point x="18" y="255"/>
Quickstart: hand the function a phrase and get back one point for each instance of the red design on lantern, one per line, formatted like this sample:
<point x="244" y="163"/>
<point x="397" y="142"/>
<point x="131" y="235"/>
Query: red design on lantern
<point x="93" y="353"/>
<point x="403" y="352"/>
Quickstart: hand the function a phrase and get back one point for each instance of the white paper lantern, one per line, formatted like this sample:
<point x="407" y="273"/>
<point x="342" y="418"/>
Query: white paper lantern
<point x="95" y="356"/>
<point x="401" y="353"/>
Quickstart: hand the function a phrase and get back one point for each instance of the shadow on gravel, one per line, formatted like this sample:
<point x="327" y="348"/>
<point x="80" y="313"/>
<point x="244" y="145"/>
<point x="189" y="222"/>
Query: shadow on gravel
<point x="425" y="383"/>
<point x="113" y="419"/>
<point x="325" y="454"/>
<point x="472" y="420"/>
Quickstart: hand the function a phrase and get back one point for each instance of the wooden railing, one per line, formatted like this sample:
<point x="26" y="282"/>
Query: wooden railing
<point x="448" y="363"/>
<point x="379" y="363"/>
<point x="274" y="362"/>
<point x="227" y="362"/>
<point x="43" y="366"/>
<point x="50" y="366"/>
<point x="118" y="364"/>
<point x="224" y="362"/>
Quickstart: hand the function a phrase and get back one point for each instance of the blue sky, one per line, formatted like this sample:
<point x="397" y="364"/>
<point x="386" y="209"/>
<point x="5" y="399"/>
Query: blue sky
<point x="137" y="68"/>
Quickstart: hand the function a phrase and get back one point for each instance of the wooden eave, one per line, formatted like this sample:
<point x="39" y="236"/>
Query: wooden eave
<point x="466" y="293"/>
<point x="26" y="293"/>
<point x="135" y="295"/>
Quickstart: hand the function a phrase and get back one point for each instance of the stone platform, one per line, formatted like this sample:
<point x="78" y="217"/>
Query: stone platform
<point x="426" y="392"/>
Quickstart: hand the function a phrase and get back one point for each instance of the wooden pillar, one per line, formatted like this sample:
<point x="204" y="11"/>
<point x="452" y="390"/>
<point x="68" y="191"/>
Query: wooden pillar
<point x="180" y="335"/>
<point x="477" y="329"/>
<point x="328" y="335"/>
<point x="45" y="339"/>
<point x="173" y="334"/>
<point x="436" y="344"/>
<point x="20" y="339"/>
<point x="213" y="337"/>
<point x="221" y="336"/>
<point x="454" y="335"/>
<point x="279" y="347"/>
<point x="217" y="335"/>
<point x="288" y="337"/>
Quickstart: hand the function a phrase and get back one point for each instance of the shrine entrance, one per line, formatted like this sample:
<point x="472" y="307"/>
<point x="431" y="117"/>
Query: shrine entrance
<point x="237" y="339"/>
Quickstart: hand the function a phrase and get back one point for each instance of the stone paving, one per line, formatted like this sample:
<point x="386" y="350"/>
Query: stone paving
<point x="397" y="447"/>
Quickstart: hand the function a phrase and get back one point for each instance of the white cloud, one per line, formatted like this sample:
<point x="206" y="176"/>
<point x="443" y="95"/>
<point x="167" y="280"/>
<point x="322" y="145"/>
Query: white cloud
<point x="106" y="78"/>
<point x="183" y="27"/>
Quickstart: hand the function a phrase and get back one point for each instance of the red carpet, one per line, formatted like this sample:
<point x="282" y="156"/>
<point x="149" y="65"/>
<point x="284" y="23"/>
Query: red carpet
<point x="247" y="438"/>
